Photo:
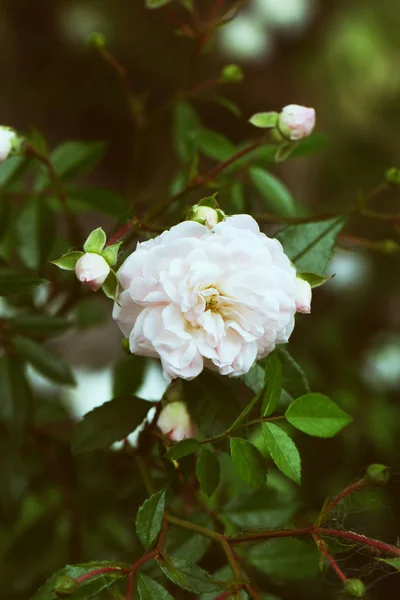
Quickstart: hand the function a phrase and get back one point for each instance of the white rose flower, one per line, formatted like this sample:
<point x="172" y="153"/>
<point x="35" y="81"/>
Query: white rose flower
<point x="175" y="422"/>
<point x="296" y="122"/>
<point x="220" y="298"/>
<point x="7" y="139"/>
<point x="92" y="270"/>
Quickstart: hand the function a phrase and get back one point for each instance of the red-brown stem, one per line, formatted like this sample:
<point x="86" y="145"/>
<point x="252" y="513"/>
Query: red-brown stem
<point x="200" y="87"/>
<point x="102" y="571"/>
<point x="360" y="539"/>
<point x="252" y="592"/>
<point x="204" y="179"/>
<point x="321" y="544"/>
<point x="129" y="588"/>
<point x="262" y="535"/>
<point x="214" y="14"/>
<point x="335" y="501"/>
<point x="139" y="563"/>
<point x="175" y="20"/>
<point x="128" y="226"/>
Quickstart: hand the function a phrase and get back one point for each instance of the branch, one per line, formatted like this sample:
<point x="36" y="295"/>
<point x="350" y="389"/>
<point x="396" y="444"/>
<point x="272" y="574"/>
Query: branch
<point x="206" y="178"/>
<point x="321" y="545"/>
<point x="335" y="501"/>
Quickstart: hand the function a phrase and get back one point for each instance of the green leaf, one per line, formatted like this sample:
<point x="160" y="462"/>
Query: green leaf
<point x="72" y="159"/>
<point x="149" y="589"/>
<point x="393" y="562"/>
<point x="183" y="448"/>
<point x="128" y="375"/>
<point x="68" y="261"/>
<point x="314" y="279"/>
<point x="255" y="378"/>
<point x="228" y="105"/>
<point x="156" y="3"/>
<point x="310" y="245"/>
<point x="12" y="169"/>
<point x="44" y="360"/>
<point x="96" y="241"/>
<point x="149" y="519"/>
<point x="317" y="415"/>
<point x="207" y="471"/>
<point x="273" y="378"/>
<point x="266" y="506"/>
<point x="237" y="197"/>
<point x="36" y="231"/>
<point x="40" y="325"/>
<point x="264" y="120"/>
<point x="209" y="201"/>
<point x="283" y="451"/>
<point x="110" y="286"/>
<point x="185" y="123"/>
<point x="14" y="283"/>
<point x="214" y="145"/>
<point x="286" y="558"/>
<point x="112" y="421"/>
<point x="275" y="193"/>
<point x="188" y="576"/>
<point x="111" y="253"/>
<point x="89" y="588"/>
<point x="103" y="200"/>
<point x="19" y="393"/>
<point x="248" y="462"/>
<point x="294" y="380"/>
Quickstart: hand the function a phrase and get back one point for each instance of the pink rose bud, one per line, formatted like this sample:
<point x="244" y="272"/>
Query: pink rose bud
<point x="303" y="299"/>
<point x="296" y="122"/>
<point x="92" y="270"/>
<point x="8" y="139"/>
<point x="175" y="422"/>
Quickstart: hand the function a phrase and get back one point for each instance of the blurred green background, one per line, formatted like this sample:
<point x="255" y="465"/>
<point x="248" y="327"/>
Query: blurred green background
<point x="342" y="58"/>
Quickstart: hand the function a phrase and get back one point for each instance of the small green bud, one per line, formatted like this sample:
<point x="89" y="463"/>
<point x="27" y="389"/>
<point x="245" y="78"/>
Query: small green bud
<point x="125" y="345"/>
<point x="389" y="246"/>
<point x="232" y="74"/>
<point x="354" y="588"/>
<point x="97" y="41"/>
<point x="206" y="215"/>
<point x="392" y="176"/>
<point x="65" y="586"/>
<point x="377" y="475"/>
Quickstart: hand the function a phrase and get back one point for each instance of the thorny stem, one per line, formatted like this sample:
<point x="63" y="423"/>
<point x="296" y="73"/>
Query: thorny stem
<point x="133" y="223"/>
<point x="360" y="539"/>
<point x="129" y="589"/>
<point x="335" y="501"/>
<point x="321" y="545"/>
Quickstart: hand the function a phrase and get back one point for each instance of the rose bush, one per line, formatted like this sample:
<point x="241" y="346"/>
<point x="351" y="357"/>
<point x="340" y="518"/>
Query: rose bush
<point x="222" y="297"/>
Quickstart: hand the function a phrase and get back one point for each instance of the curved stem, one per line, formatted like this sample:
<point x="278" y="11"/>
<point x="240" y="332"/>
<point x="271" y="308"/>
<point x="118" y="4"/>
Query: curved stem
<point x="335" y="501"/>
<point x="321" y="545"/>
<point x="360" y="539"/>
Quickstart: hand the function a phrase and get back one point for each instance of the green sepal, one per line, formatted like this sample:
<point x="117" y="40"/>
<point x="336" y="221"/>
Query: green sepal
<point x="314" y="279"/>
<point x="110" y="286"/>
<point x="96" y="241"/>
<point x="68" y="261"/>
<point x="110" y="254"/>
<point x="210" y="201"/>
<point x="265" y="120"/>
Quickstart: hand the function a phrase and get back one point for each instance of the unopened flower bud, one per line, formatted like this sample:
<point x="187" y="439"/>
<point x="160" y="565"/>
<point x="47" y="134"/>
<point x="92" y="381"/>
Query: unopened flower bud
<point x="296" y="122"/>
<point x="377" y="475"/>
<point x="97" y="41"/>
<point x="206" y="215"/>
<point x="354" y="588"/>
<point x="92" y="270"/>
<point x="9" y="142"/>
<point x="392" y="176"/>
<point x="303" y="298"/>
<point x="175" y="422"/>
<point x="232" y="74"/>
<point x="389" y="246"/>
<point x="65" y="586"/>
